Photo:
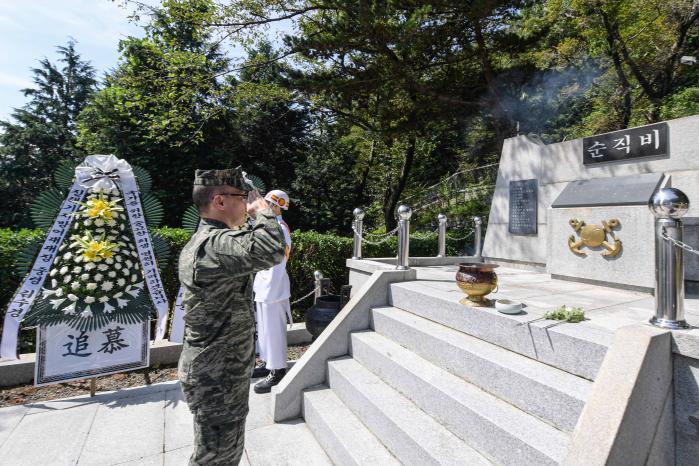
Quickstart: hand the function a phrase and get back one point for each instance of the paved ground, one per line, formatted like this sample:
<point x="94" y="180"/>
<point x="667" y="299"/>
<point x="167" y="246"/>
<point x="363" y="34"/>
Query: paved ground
<point x="140" y="426"/>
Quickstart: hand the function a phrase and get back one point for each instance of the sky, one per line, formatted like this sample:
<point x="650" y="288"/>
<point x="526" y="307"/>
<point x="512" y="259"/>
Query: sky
<point x="31" y="29"/>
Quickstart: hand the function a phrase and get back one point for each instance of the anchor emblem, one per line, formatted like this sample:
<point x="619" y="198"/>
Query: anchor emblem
<point x="594" y="236"/>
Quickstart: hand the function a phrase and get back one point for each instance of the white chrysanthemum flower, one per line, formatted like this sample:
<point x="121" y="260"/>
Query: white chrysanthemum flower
<point x="118" y="259"/>
<point x="64" y="270"/>
<point x="91" y="286"/>
<point x="54" y="283"/>
<point x="67" y="278"/>
<point x="111" y="274"/>
<point x="59" y="292"/>
<point x="104" y="299"/>
<point x="106" y="286"/>
<point x="126" y="272"/>
<point x="87" y="222"/>
<point x="85" y="277"/>
<point x="63" y="246"/>
<point x="77" y="269"/>
<point x="86" y="313"/>
<point x="121" y="282"/>
<point x="102" y="267"/>
<point x="134" y="253"/>
<point x="111" y="223"/>
<point x="78" y="259"/>
<point x="72" y="297"/>
<point x="97" y="259"/>
<point x="118" y="265"/>
<point x="100" y="230"/>
<point x="134" y="278"/>
<point x="53" y="272"/>
<point x="116" y="215"/>
<point x="89" y="299"/>
<point x="109" y="261"/>
<point x="99" y="277"/>
<point x="90" y="266"/>
<point x="67" y="256"/>
<point x="129" y="264"/>
<point x="99" y="222"/>
<point x="118" y="295"/>
<point x="75" y="286"/>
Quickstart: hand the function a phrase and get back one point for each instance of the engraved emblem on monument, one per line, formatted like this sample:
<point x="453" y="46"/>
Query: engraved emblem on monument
<point x="594" y="236"/>
<point x="523" y="207"/>
<point x="633" y="143"/>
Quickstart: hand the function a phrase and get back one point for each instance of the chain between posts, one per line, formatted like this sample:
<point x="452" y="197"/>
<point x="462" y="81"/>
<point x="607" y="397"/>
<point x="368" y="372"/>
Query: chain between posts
<point x="679" y="244"/>
<point x="468" y="235"/>
<point x="306" y="295"/>
<point x="375" y="243"/>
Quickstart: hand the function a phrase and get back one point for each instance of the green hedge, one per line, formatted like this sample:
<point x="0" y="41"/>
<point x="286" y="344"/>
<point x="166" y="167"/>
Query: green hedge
<point x="311" y="251"/>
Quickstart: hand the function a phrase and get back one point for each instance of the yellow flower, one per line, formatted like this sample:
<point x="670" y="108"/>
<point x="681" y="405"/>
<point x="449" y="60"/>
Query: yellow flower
<point x="100" y="207"/>
<point x="90" y="255"/>
<point x="106" y="254"/>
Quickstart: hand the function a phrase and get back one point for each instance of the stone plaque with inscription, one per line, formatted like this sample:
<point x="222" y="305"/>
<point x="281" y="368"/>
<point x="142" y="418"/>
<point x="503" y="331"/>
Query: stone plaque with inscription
<point x="627" y="144"/>
<point x="523" y="207"/>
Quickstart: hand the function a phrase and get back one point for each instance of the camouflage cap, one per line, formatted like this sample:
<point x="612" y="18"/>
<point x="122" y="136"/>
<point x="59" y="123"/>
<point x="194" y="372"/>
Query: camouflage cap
<point x="229" y="177"/>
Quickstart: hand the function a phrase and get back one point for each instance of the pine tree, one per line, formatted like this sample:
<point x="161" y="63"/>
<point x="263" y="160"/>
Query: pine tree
<point x="42" y="133"/>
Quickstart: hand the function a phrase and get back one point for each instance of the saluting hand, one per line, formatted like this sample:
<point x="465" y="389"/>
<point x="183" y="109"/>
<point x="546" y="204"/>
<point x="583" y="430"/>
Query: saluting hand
<point x="256" y="203"/>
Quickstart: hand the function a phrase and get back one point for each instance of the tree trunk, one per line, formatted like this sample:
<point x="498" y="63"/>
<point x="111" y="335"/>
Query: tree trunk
<point x="612" y="32"/>
<point x="501" y="123"/>
<point x="393" y="192"/>
<point x="361" y="196"/>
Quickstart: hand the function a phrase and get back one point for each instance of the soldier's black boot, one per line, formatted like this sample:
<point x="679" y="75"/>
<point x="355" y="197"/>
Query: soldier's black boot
<point x="260" y="370"/>
<point x="273" y="378"/>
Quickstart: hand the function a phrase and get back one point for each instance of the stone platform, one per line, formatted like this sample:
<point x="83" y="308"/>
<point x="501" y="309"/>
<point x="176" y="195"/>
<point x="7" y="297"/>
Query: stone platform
<point x="147" y="426"/>
<point x="606" y="309"/>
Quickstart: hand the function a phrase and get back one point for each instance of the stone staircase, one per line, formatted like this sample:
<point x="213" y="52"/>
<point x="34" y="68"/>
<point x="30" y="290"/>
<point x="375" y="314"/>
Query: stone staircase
<point x="431" y="383"/>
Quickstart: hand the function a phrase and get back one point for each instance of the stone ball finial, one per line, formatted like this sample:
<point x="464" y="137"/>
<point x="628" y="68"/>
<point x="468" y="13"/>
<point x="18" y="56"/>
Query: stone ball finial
<point x="317" y="275"/>
<point x="358" y="213"/>
<point x="668" y="203"/>
<point x="477" y="220"/>
<point x="404" y="212"/>
<point x="442" y="218"/>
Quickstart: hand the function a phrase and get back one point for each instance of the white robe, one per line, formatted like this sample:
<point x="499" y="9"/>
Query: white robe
<point x="272" y="291"/>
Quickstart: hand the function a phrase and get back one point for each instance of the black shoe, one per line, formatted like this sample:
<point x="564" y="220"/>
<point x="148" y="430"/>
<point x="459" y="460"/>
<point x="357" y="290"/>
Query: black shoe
<point x="260" y="370"/>
<point x="275" y="376"/>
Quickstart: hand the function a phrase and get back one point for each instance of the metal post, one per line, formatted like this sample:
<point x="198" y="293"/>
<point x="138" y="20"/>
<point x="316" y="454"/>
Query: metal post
<point x="358" y="225"/>
<point x="318" y="277"/>
<point x="442" y="235"/>
<point x="477" y="238"/>
<point x="669" y="205"/>
<point x="404" y="214"/>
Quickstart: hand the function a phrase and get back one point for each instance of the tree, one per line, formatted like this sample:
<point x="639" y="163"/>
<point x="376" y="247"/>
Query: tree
<point x="43" y="132"/>
<point x="164" y="106"/>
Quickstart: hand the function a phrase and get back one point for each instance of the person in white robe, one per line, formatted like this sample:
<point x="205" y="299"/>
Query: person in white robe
<point x="273" y="311"/>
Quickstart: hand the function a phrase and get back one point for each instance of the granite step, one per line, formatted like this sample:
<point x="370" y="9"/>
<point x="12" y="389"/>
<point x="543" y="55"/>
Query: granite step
<point x="549" y="393"/>
<point x="341" y="434"/>
<point x="414" y="437"/>
<point x="492" y="426"/>
<point x="576" y="348"/>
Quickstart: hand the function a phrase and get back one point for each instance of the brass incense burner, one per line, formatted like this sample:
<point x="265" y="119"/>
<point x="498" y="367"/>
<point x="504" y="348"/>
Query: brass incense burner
<point x="477" y="280"/>
<point x="593" y="236"/>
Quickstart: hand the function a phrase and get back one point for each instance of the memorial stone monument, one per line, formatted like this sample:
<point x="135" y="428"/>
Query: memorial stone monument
<point x="578" y="209"/>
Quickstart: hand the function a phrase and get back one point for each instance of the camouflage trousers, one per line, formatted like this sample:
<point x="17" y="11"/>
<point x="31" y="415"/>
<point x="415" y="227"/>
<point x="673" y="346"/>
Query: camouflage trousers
<point x="217" y="441"/>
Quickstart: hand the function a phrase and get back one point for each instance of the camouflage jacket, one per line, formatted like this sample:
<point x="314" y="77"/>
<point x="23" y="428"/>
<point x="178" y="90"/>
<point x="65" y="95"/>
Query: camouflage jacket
<point x="215" y="270"/>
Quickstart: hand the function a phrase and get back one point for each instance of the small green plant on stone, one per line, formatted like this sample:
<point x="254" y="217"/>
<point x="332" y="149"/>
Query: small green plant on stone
<point x="572" y="315"/>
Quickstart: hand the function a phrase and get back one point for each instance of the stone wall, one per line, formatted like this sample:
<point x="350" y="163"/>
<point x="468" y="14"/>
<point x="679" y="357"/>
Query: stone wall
<point x="555" y="165"/>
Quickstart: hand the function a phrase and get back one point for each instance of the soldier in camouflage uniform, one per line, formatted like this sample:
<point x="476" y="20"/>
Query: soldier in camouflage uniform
<point x="215" y="270"/>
